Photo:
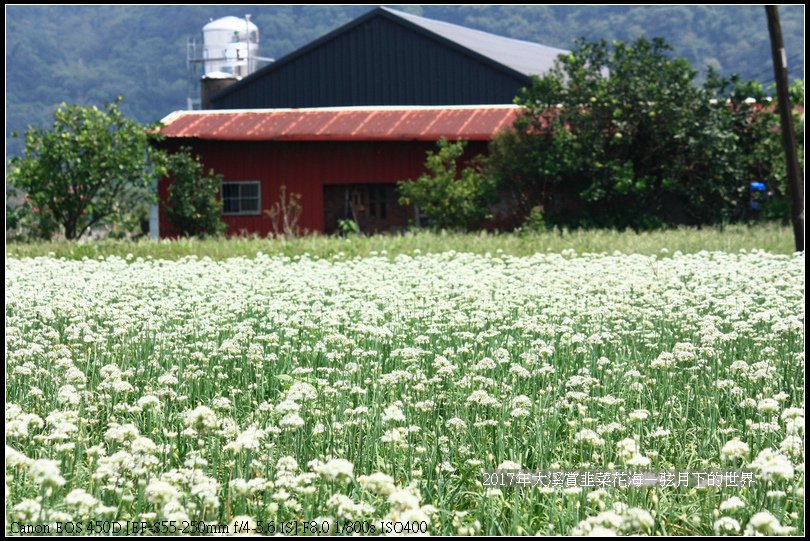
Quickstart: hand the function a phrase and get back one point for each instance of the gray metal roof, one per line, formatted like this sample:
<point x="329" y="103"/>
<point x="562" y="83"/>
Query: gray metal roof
<point x="522" y="56"/>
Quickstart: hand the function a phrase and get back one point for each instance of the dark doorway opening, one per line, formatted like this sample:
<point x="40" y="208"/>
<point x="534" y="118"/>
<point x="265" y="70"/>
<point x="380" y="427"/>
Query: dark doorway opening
<point x="374" y="207"/>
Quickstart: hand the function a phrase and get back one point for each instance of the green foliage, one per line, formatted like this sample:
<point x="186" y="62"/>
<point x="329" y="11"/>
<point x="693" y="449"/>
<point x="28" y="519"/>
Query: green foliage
<point x="622" y="136"/>
<point x="193" y="207"/>
<point x="755" y="120"/>
<point x="535" y="222"/>
<point x="89" y="168"/>
<point x="348" y="227"/>
<point x="25" y="221"/>
<point x="451" y="200"/>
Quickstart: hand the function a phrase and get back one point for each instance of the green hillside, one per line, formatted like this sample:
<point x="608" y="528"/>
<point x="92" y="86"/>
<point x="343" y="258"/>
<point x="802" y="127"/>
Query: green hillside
<point x="90" y="54"/>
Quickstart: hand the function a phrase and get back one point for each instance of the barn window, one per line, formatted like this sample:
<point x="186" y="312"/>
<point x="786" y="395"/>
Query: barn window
<point x="241" y="197"/>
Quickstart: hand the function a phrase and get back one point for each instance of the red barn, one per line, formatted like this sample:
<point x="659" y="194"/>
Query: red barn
<point x="343" y="161"/>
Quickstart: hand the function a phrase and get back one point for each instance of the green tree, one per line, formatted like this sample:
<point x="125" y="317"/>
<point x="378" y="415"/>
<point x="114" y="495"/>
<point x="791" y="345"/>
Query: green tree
<point x="621" y="136"/>
<point x="451" y="200"/>
<point x="90" y="167"/>
<point x="193" y="207"/>
<point x="755" y="120"/>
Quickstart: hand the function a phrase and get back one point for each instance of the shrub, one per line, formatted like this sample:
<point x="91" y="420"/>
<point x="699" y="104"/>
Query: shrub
<point x="193" y="207"/>
<point x="451" y="200"/>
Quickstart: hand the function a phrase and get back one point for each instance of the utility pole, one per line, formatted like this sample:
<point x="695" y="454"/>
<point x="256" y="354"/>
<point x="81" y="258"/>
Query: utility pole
<point x="795" y="176"/>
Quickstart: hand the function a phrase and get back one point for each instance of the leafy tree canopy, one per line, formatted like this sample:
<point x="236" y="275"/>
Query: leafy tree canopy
<point x="621" y="135"/>
<point x="90" y="166"/>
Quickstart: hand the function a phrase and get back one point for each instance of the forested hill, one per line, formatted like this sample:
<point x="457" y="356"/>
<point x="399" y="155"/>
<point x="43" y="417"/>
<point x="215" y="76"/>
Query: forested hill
<point x="90" y="54"/>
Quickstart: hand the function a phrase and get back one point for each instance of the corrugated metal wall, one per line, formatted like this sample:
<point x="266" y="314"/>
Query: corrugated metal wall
<point x="304" y="167"/>
<point x="377" y="63"/>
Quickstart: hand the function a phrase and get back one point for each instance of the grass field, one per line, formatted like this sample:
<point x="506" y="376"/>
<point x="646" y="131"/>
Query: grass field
<point x="370" y="394"/>
<point x="770" y="237"/>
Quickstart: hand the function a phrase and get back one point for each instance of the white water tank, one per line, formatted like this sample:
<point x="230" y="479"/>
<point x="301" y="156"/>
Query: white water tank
<point x="231" y="45"/>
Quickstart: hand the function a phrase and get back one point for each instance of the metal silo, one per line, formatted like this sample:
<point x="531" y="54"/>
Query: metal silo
<point x="231" y="45"/>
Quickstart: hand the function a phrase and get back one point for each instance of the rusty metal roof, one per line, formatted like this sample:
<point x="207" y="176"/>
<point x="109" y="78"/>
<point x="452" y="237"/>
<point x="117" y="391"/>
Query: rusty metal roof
<point x="383" y="123"/>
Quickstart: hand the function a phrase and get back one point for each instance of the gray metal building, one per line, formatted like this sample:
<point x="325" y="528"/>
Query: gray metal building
<point x="387" y="57"/>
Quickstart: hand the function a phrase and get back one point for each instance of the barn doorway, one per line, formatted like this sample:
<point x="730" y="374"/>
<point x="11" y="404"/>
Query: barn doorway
<point x="374" y="207"/>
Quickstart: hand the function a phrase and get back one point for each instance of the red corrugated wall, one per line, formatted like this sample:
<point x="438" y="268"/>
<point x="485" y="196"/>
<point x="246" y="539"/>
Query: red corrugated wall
<point x="304" y="167"/>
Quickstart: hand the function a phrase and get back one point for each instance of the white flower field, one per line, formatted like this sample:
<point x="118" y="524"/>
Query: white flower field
<point x="370" y="395"/>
